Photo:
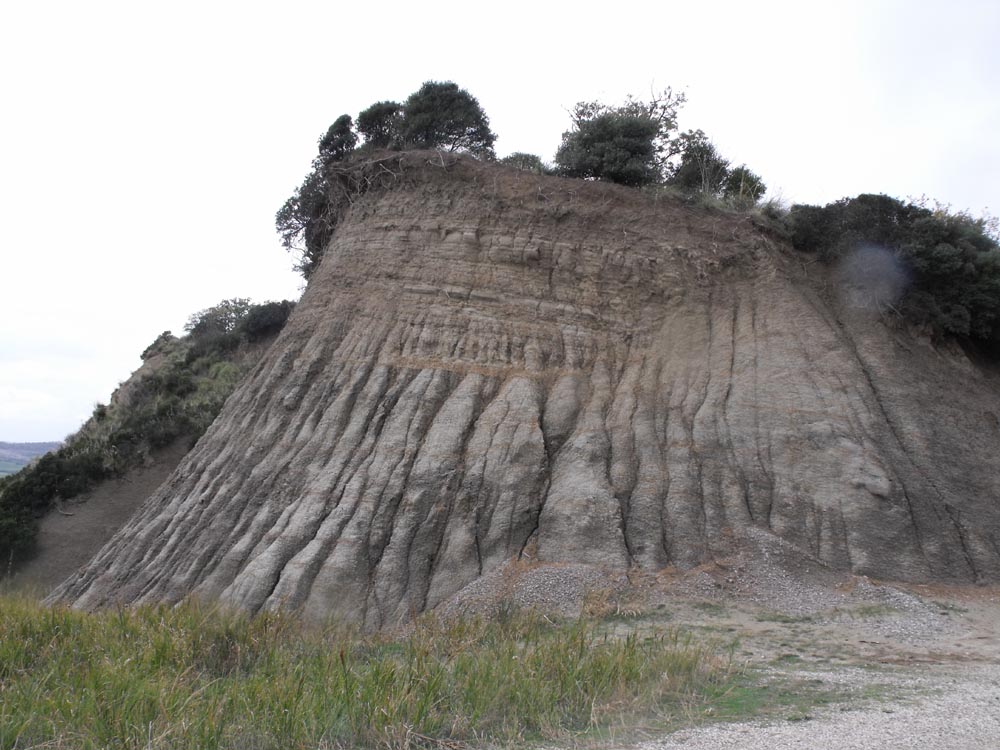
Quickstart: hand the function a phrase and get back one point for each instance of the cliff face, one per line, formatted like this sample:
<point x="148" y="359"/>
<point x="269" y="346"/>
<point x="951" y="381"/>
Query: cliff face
<point x="490" y="364"/>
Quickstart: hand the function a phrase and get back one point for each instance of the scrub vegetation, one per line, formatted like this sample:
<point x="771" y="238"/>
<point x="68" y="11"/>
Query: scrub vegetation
<point x="159" y="677"/>
<point x="948" y="262"/>
<point x="185" y="382"/>
<point x="636" y="143"/>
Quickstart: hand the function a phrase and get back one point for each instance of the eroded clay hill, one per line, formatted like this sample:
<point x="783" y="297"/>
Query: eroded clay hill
<point x="491" y="364"/>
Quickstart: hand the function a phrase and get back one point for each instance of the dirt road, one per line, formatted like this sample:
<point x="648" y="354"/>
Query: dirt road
<point x="886" y="667"/>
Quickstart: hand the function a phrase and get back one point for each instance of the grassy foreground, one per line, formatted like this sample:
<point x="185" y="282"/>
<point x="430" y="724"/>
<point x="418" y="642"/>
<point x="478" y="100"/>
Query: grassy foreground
<point x="194" y="678"/>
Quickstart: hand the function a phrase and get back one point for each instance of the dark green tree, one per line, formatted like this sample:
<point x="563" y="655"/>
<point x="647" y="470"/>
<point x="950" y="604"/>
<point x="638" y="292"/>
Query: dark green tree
<point x="952" y="261"/>
<point x="701" y="169"/>
<point x="614" y="147"/>
<point x="743" y="187"/>
<point x="442" y="115"/>
<point x="265" y="319"/>
<point x="338" y="141"/>
<point x="224" y="317"/>
<point x="630" y="144"/>
<point x="439" y="115"/>
<point x="381" y="124"/>
<point x="304" y="222"/>
<point x="837" y="228"/>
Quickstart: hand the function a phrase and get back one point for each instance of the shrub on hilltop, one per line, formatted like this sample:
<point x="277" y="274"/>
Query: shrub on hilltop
<point x="381" y="125"/>
<point x="630" y="144"/>
<point x="951" y="260"/>
<point x="635" y="144"/>
<point x="265" y="319"/>
<point x="442" y="115"/>
<point x="339" y="140"/>
<point x="638" y="144"/>
<point x="438" y="115"/>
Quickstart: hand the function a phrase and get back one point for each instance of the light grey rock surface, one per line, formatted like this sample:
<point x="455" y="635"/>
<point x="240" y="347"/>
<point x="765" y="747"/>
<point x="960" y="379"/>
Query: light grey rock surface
<point x="488" y="362"/>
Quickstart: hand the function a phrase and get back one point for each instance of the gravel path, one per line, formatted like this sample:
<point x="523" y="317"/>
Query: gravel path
<point x="935" y="649"/>
<point x="963" y="713"/>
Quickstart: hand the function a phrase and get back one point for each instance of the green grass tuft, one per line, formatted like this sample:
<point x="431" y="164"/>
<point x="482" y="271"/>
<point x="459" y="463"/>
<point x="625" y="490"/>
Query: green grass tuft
<point x="781" y="617"/>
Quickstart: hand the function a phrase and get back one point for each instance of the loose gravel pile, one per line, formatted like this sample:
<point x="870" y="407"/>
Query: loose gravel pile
<point x="562" y="590"/>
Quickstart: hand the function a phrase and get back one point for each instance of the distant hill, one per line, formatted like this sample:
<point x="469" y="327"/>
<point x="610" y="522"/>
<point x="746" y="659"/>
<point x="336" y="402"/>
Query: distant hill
<point x="14" y="456"/>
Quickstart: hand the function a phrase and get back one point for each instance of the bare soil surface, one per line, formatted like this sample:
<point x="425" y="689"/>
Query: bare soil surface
<point x="832" y="661"/>
<point x="885" y="668"/>
<point x="72" y="533"/>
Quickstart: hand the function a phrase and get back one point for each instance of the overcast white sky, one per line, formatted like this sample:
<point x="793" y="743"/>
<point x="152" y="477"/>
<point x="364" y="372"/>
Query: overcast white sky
<point x="145" y="147"/>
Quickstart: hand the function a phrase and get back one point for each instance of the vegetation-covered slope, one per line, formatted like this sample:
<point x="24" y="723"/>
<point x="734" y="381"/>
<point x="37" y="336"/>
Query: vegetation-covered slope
<point x="175" y="395"/>
<point x="935" y="268"/>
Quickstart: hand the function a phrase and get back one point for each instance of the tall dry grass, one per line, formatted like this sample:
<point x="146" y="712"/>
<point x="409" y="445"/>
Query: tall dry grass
<point x="189" y="677"/>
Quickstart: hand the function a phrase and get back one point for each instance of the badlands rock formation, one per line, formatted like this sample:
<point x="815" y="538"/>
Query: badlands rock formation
<point x="490" y="364"/>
